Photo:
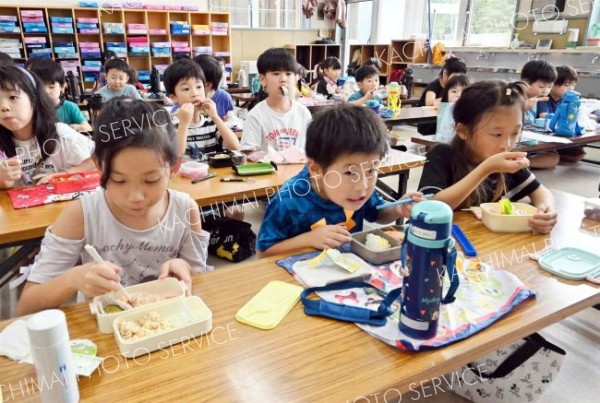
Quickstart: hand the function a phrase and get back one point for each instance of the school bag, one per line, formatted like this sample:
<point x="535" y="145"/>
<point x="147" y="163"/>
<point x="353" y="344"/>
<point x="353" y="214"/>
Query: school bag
<point x="519" y="372"/>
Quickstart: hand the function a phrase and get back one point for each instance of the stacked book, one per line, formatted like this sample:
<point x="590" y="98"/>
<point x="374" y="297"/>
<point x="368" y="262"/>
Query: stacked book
<point x="87" y="25"/>
<point x="91" y="69"/>
<point x="180" y="48"/>
<point x="219" y="28"/>
<point x="202" y="50"/>
<point x="180" y="28"/>
<point x="138" y="46"/>
<point x="12" y="47"/>
<point x="33" y="21"/>
<point x="61" y="25"/>
<point x="118" y="47"/>
<point x="137" y="29"/>
<point x="64" y="50"/>
<point x="37" y="47"/>
<point x="90" y="50"/>
<point x="9" y="24"/>
<point x="113" y="28"/>
<point x="161" y="49"/>
<point x="70" y="65"/>
<point x="198" y="29"/>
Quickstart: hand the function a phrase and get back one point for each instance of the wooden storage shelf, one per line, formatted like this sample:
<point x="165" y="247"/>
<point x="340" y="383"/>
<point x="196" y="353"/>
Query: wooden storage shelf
<point x="153" y="19"/>
<point x="395" y="55"/>
<point x="312" y="54"/>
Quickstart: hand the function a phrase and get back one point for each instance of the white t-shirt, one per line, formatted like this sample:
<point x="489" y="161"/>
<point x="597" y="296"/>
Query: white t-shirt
<point x="140" y="253"/>
<point x="71" y="148"/>
<point x="264" y="127"/>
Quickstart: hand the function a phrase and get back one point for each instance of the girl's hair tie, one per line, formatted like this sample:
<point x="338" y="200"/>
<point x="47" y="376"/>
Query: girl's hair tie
<point x="28" y="74"/>
<point x="508" y="91"/>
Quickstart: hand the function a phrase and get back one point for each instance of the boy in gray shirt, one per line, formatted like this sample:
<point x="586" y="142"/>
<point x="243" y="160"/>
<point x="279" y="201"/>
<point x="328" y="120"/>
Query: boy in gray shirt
<point x="117" y="77"/>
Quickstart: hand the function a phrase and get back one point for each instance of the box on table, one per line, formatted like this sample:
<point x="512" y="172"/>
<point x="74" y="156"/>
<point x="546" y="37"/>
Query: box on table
<point x="169" y="288"/>
<point x="75" y="182"/>
<point x="188" y="317"/>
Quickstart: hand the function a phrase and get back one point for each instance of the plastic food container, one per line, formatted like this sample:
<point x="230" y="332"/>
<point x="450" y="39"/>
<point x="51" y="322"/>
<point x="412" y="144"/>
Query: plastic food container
<point x="189" y="317"/>
<point x="359" y="246"/>
<point x="495" y="221"/>
<point x="193" y="169"/>
<point x="592" y="209"/>
<point x="220" y="160"/>
<point x="168" y="287"/>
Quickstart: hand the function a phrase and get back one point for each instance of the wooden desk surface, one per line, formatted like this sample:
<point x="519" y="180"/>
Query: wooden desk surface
<point x="423" y="114"/>
<point x="309" y="358"/>
<point x="19" y="225"/>
<point x="587" y="138"/>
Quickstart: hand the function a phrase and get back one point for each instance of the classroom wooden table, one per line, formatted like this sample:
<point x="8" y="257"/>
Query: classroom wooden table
<point x="587" y="138"/>
<point x="238" y="90"/>
<point x="313" y="359"/>
<point x="423" y="114"/>
<point x="21" y="225"/>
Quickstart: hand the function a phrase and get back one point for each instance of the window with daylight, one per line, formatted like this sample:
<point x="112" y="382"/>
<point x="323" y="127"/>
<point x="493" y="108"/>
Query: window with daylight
<point x="278" y="14"/>
<point x="467" y="22"/>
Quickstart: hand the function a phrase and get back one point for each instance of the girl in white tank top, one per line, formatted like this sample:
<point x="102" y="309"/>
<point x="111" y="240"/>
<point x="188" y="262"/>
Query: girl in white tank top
<point x="141" y="228"/>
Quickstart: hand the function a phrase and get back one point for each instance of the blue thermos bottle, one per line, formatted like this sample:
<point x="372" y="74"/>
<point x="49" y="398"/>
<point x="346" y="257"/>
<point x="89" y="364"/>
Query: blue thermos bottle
<point x="564" y="121"/>
<point x="427" y="252"/>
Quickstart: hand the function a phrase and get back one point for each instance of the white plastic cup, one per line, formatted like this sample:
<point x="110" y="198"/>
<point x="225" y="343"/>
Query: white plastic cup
<point x="51" y="351"/>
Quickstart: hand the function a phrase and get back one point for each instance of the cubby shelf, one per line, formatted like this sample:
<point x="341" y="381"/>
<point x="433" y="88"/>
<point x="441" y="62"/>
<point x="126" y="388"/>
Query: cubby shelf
<point x="212" y="42"/>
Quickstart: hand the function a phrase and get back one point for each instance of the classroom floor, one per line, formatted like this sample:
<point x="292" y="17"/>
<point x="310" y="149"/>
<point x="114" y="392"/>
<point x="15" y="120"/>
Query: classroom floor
<point x="579" y="334"/>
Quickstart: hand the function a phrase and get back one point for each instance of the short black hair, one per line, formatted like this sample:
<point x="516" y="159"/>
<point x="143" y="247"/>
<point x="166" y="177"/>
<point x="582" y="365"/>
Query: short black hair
<point x="124" y="122"/>
<point x="565" y="74"/>
<point x="107" y="55"/>
<point x="117" y="64"/>
<point x="454" y="65"/>
<point x="211" y="68"/>
<point x="373" y="61"/>
<point x="48" y="71"/>
<point x="461" y="80"/>
<point x="538" y="70"/>
<point x="344" y="129"/>
<point x="275" y="59"/>
<point x="182" y="69"/>
<point x="365" y="71"/>
<point x="331" y="62"/>
<point x="5" y="59"/>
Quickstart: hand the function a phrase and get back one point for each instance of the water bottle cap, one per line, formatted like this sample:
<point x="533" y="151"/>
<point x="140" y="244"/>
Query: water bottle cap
<point x="433" y="211"/>
<point x="47" y="328"/>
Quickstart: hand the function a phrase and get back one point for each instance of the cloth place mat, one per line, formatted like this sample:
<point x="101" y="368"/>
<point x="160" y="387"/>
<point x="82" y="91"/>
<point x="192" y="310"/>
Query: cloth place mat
<point x="484" y="296"/>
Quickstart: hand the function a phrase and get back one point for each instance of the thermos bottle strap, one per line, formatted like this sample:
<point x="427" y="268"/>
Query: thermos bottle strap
<point x="349" y="313"/>
<point x="450" y="262"/>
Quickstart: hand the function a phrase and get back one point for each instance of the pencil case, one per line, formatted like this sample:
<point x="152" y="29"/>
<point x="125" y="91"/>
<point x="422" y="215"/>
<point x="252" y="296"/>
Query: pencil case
<point x="257" y="168"/>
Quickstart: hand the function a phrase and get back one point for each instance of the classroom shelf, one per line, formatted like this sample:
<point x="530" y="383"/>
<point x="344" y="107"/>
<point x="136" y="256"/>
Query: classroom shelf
<point x="395" y="55"/>
<point x="312" y="54"/>
<point x="219" y="42"/>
